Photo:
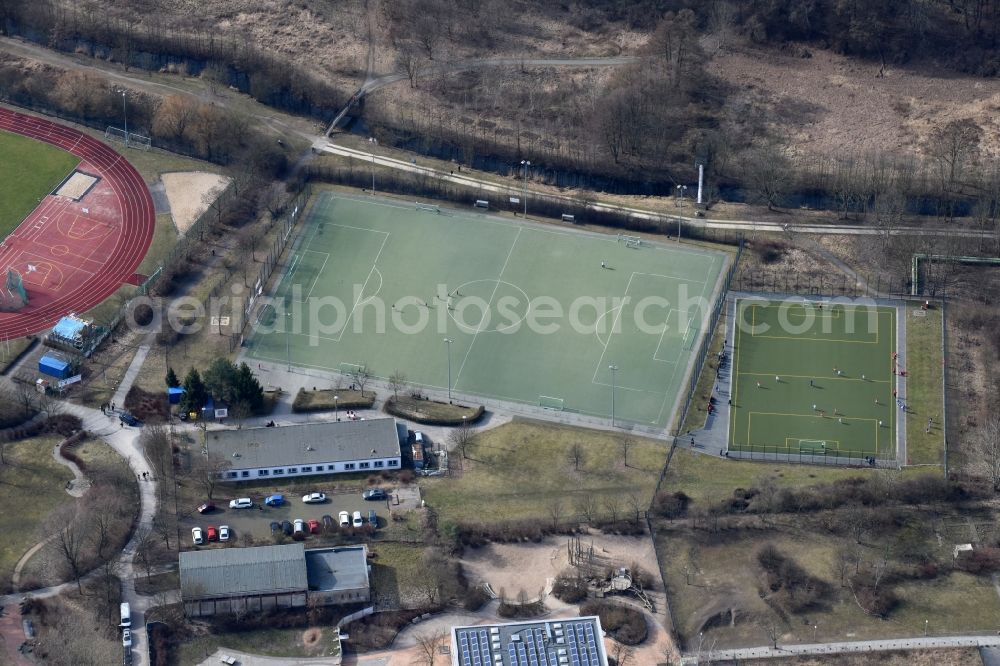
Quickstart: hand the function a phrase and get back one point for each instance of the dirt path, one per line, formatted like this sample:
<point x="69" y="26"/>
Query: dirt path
<point x="12" y="635"/>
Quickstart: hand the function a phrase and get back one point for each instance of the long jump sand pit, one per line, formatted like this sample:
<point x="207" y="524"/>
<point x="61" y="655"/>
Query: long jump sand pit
<point x="77" y="185"/>
<point x="190" y="193"/>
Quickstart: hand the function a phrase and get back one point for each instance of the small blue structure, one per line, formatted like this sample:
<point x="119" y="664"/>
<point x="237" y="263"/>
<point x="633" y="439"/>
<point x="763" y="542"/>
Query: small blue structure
<point x="71" y="331"/>
<point x="54" y="367"/>
<point x="174" y="394"/>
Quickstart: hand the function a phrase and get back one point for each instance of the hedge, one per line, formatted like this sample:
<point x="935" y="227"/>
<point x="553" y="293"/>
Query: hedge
<point x="321" y="400"/>
<point x="407" y="409"/>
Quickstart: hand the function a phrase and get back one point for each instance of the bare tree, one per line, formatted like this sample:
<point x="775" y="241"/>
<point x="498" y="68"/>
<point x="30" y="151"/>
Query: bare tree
<point x="155" y="442"/>
<point x="767" y="172"/>
<point x="69" y="543"/>
<point x="613" y="506"/>
<point x="361" y="376"/>
<point x="576" y="455"/>
<point x="635" y="503"/>
<point x="622" y="654"/>
<point x="625" y="443"/>
<point x="144" y="545"/>
<point x="461" y="438"/>
<point x="164" y="528"/>
<point x="427" y="647"/>
<point x="586" y="506"/>
<point x="556" y="511"/>
<point x="397" y="382"/>
<point x="207" y="471"/>
<point x="987" y="449"/>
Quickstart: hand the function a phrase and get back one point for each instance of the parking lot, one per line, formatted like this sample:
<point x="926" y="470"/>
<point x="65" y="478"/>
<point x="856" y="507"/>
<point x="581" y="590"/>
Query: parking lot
<point x="256" y="521"/>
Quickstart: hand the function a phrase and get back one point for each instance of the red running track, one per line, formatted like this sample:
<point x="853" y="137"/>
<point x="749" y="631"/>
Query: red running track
<point x="73" y="254"/>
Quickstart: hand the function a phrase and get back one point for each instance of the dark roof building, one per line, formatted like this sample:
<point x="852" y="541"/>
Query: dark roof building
<point x="338" y="575"/>
<point x="575" y="641"/>
<point x="307" y="448"/>
<point x="228" y="580"/>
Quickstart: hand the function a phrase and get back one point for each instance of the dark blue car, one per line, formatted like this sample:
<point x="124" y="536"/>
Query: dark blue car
<point x="275" y="500"/>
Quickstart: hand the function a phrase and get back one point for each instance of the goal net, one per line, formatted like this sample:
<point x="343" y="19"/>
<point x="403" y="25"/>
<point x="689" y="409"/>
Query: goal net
<point x="630" y="241"/>
<point x="130" y="139"/>
<point x="549" y="402"/>
<point x="430" y="208"/>
<point x="812" y="446"/>
<point x="13" y="296"/>
<point x="351" y="368"/>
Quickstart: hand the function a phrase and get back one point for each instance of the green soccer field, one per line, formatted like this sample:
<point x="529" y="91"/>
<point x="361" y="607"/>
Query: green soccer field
<point x="813" y="379"/>
<point x="532" y="315"/>
<point x="29" y="170"/>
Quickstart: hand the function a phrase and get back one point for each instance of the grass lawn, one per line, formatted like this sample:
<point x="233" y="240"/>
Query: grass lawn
<point x="268" y="642"/>
<point x="161" y="582"/>
<point x="923" y="388"/>
<point x="709" y="478"/>
<point x="9" y="351"/>
<point x="32" y="485"/>
<point x="395" y="569"/>
<point x="517" y="470"/>
<point x="29" y="170"/>
<point x="164" y="238"/>
<point x="705" y="578"/>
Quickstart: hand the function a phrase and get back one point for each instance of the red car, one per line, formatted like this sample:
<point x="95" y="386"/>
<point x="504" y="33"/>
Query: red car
<point x="213" y="534"/>
<point x="313" y="526"/>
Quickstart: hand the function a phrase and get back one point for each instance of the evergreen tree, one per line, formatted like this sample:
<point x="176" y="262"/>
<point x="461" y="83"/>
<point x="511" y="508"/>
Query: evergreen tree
<point x="171" y="379"/>
<point x="195" y="393"/>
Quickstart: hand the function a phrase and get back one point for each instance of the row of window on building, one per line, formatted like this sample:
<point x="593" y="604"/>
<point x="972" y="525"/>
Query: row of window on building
<point x="313" y="469"/>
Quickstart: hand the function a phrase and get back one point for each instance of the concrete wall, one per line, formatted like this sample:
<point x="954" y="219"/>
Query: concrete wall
<point x="252" y="604"/>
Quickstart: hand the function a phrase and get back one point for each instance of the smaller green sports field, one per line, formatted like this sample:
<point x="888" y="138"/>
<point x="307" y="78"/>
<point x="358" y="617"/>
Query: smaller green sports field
<point x="29" y="170"/>
<point x="812" y="378"/>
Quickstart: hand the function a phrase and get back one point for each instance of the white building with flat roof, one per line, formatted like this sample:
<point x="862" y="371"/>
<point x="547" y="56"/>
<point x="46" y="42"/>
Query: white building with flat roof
<point x="303" y="449"/>
<point x="574" y="641"/>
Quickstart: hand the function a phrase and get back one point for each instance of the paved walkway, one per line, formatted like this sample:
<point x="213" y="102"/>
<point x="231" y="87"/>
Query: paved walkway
<point x="854" y="647"/>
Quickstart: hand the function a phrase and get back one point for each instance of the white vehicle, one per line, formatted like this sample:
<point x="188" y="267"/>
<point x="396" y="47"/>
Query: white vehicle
<point x="127" y="638"/>
<point x="300" y="526"/>
<point x="241" y="503"/>
<point x="345" y="519"/>
<point x="314" y="498"/>
<point x="358" y="521"/>
<point x="126" y="616"/>
<point x="197" y="536"/>
<point x="223" y="532"/>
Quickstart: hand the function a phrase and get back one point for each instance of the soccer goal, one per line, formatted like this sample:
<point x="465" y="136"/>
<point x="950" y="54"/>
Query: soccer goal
<point x="549" y="402"/>
<point x="351" y="368"/>
<point x="429" y="208"/>
<point x="812" y="446"/>
<point x="130" y="139"/>
<point x="630" y="241"/>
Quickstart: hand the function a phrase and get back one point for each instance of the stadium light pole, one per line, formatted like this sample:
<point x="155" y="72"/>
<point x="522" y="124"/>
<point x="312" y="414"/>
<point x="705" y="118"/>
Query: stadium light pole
<point x="525" y="164"/>
<point x="613" y="368"/>
<point x="288" y="346"/>
<point x="448" y="342"/>
<point x="125" y="118"/>
<point x="372" y="143"/>
<point x="681" y="189"/>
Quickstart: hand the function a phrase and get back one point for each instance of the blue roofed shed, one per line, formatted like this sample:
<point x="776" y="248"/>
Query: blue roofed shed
<point x="54" y="367"/>
<point x="174" y="394"/>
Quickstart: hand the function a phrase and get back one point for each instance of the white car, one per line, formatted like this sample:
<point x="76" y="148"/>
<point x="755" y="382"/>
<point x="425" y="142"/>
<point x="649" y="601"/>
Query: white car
<point x="358" y="521"/>
<point x="314" y="498"/>
<point x="299" y="526"/>
<point x="223" y="532"/>
<point x="197" y="536"/>
<point x="127" y="638"/>
<point x="345" y="519"/>
<point x="241" y="503"/>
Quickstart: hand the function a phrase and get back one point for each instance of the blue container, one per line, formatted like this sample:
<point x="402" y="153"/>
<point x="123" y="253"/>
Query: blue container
<point x="54" y="367"/>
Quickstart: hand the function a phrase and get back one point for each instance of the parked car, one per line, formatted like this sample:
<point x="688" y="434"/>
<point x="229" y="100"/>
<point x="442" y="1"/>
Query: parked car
<point x="213" y="534"/>
<point x="241" y="503"/>
<point x="286" y="527"/>
<point x="274" y="500"/>
<point x="372" y="518"/>
<point x="275" y="526"/>
<point x="328" y="523"/>
<point x="345" y="519"/>
<point x="313" y="526"/>
<point x="207" y="507"/>
<point x="197" y="536"/>
<point x="224" y="533"/>
<point x="127" y="638"/>
<point x="358" y="521"/>
<point x="314" y="498"/>
<point x="374" y="494"/>
<point x="300" y="526"/>
<point x="130" y="420"/>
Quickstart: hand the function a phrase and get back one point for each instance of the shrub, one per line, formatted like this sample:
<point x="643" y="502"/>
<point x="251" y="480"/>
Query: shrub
<point x="143" y="314"/>
<point x="474" y="598"/>
<point x="569" y="589"/>
<point x="980" y="561"/>
<point x="671" y="505"/>
<point x="625" y="624"/>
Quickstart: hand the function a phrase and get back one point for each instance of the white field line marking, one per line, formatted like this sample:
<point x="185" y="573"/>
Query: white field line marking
<point x="614" y="325"/>
<point x="363" y="287"/>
